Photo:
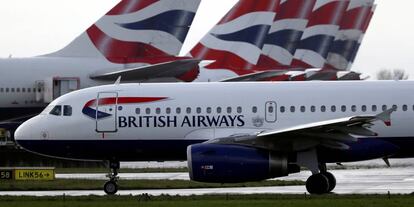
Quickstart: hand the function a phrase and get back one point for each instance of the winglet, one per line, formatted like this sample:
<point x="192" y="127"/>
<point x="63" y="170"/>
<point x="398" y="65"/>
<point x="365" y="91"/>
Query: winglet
<point x="386" y="116"/>
<point x="118" y="81"/>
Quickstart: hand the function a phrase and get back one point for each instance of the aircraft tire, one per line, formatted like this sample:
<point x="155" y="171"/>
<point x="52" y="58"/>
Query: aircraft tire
<point x="110" y="188"/>
<point x="331" y="180"/>
<point x="317" y="184"/>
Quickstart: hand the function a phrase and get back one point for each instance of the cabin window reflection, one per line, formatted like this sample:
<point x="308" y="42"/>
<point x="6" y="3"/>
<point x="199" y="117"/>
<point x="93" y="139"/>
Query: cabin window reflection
<point x="7" y="90"/>
<point x="303" y="109"/>
<point x="178" y="110"/>
<point x="24" y="90"/>
<point x="364" y="108"/>
<point x="239" y="110"/>
<point x="209" y="110"/>
<point x="282" y="109"/>
<point x="29" y="90"/>
<point x="18" y="90"/>
<point x="292" y="109"/>
<point x="188" y="110"/>
<point x="12" y="90"/>
<point x="395" y="107"/>
<point x="137" y="111"/>
<point x="158" y="111"/>
<point x="353" y="108"/>
<point x="1" y="90"/>
<point x="229" y="110"/>
<point x="254" y="109"/>
<point x="405" y="107"/>
<point x="168" y="110"/>
<point x="323" y="108"/>
<point x="313" y="109"/>
<point x="333" y="108"/>
<point x="374" y="108"/>
<point x="343" y="108"/>
<point x="148" y="111"/>
<point x="384" y="107"/>
<point x="198" y="110"/>
<point x="218" y="110"/>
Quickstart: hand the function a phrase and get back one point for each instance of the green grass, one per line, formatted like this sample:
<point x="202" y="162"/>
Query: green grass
<point x="221" y="201"/>
<point x="124" y="170"/>
<point x="72" y="184"/>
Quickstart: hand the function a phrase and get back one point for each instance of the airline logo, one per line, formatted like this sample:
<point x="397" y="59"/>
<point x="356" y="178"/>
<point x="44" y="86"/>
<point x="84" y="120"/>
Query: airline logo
<point x="238" y="38"/>
<point x="90" y="107"/>
<point x="143" y="28"/>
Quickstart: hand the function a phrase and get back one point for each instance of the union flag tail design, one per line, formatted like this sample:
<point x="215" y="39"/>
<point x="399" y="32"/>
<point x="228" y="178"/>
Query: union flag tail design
<point x="135" y="30"/>
<point x="320" y="33"/>
<point x="349" y="38"/>
<point x="237" y="40"/>
<point x="284" y="36"/>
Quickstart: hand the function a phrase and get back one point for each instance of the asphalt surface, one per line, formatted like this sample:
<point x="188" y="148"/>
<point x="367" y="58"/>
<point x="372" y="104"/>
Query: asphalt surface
<point x="356" y="181"/>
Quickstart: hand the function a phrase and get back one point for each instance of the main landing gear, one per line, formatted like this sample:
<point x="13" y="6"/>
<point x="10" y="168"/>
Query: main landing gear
<point x="321" y="183"/>
<point x="111" y="187"/>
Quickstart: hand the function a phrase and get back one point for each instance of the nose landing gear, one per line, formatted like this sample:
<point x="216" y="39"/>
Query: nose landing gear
<point x="111" y="187"/>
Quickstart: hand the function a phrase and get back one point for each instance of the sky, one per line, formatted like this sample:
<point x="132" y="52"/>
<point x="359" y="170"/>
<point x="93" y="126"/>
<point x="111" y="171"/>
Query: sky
<point x="30" y="28"/>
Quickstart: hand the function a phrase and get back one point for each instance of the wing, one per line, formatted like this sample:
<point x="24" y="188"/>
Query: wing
<point x="170" y="69"/>
<point x="335" y="134"/>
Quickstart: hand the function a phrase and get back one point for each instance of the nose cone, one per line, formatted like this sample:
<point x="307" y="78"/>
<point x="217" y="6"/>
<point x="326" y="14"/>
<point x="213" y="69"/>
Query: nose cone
<point x="24" y="134"/>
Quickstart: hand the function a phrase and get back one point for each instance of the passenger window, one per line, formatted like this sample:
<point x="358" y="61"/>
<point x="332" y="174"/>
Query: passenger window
<point x="178" y="110"/>
<point x="29" y="90"/>
<point x="313" y="108"/>
<point x="239" y="110"/>
<point x="229" y="110"/>
<point x="343" y="108"/>
<point x="292" y="109"/>
<point x="374" y="108"/>
<point x="12" y="90"/>
<point x="395" y="107"/>
<point x="303" y="109"/>
<point x="219" y="110"/>
<point x="158" y="111"/>
<point x="137" y="110"/>
<point x="1" y="90"/>
<point x="188" y="110"/>
<point x="405" y="107"/>
<point x="333" y="108"/>
<point x="353" y="108"/>
<point x="24" y="90"/>
<point x="209" y="110"/>
<point x="148" y="111"/>
<point x="18" y="90"/>
<point x="364" y="108"/>
<point x="168" y="110"/>
<point x="198" y="110"/>
<point x="7" y="90"/>
<point x="67" y="110"/>
<point x="282" y="109"/>
<point x="323" y="108"/>
<point x="254" y="109"/>
<point x="384" y="107"/>
<point x="57" y="110"/>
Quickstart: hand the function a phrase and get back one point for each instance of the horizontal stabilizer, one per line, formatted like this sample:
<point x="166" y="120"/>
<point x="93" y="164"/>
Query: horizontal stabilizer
<point x="162" y="70"/>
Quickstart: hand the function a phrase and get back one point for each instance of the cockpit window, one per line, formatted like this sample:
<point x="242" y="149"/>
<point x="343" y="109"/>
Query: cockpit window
<point x="47" y="109"/>
<point x="67" y="110"/>
<point x="57" y="110"/>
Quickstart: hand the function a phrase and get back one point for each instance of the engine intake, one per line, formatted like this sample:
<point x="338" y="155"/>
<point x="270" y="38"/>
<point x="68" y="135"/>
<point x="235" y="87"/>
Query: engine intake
<point x="233" y="163"/>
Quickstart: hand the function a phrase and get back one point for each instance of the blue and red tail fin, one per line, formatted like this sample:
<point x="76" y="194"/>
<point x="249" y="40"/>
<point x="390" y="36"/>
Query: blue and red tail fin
<point x="285" y="33"/>
<point x="237" y="40"/>
<point x="349" y="38"/>
<point x="135" y="30"/>
<point x="320" y="33"/>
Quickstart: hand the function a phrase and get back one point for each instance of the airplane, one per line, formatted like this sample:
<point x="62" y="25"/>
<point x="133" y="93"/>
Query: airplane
<point x="138" y="39"/>
<point x="306" y="41"/>
<point x="229" y="132"/>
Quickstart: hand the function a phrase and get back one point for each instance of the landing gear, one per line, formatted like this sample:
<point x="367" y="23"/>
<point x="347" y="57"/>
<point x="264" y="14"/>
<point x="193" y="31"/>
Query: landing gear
<point x="320" y="183"/>
<point x="111" y="187"/>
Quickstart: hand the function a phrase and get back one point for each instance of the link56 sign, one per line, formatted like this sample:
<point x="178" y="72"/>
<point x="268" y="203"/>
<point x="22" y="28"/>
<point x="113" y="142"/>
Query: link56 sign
<point x="25" y="174"/>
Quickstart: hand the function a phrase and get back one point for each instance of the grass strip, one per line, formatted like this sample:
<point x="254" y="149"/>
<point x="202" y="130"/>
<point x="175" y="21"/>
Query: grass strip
<point x="214" y="200"/>
<point x="73" y="184"/>
<point x="123" y="170"/>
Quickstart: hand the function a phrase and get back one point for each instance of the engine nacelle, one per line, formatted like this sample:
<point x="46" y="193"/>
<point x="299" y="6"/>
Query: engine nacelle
<point x="216" y="163"/>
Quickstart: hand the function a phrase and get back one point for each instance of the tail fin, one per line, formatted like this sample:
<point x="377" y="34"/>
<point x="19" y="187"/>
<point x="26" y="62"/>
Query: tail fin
<point x="285" y="33"/>
<point x="237" y="40"/>
<point x="320" y="33"/>
<point x="348" y="40"/>
<point x="136" y="29"/>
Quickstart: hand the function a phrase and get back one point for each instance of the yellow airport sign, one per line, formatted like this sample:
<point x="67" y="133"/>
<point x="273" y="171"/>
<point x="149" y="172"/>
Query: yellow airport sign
<point x="34" y="174"/>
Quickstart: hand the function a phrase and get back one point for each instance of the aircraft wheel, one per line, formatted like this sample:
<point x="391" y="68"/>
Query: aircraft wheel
<point x="317" y="184"/>
<point x="110" y="187"/>
<point x="331" y="180"/>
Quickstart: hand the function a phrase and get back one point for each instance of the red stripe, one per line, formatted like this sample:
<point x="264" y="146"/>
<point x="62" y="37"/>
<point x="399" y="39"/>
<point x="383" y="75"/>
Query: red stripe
<point x="330" y="13"/>
<point x="295" y="9"/>
<point x="118" y="51"/>
<point x="130" y="6"/>
<point x="356" y="18"/>
<point x="248" y="6"/>
<point x="123" y="100"/>
<point x="299" y="64"/>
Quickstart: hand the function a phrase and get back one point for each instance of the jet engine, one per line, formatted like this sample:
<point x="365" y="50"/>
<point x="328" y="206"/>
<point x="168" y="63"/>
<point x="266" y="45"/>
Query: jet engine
<point x="216" y="163"/>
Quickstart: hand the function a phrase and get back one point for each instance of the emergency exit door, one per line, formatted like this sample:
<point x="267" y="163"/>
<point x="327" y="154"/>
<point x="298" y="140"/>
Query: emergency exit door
<point x="106" y="112"/>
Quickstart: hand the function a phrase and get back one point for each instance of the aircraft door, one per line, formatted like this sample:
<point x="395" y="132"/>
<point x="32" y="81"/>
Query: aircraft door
<point x="271" y="111"/>
<point x="106" y="112"/>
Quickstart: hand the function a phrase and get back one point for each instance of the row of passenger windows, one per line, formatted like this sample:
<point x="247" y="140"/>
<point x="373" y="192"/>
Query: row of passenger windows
<point x="282" y="109"/>
<point x="19" y="90"/>
<point x="189" y="110"/>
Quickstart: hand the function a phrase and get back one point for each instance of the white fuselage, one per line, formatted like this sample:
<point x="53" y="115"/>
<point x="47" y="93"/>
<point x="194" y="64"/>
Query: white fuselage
<point x="192" y="113"/>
